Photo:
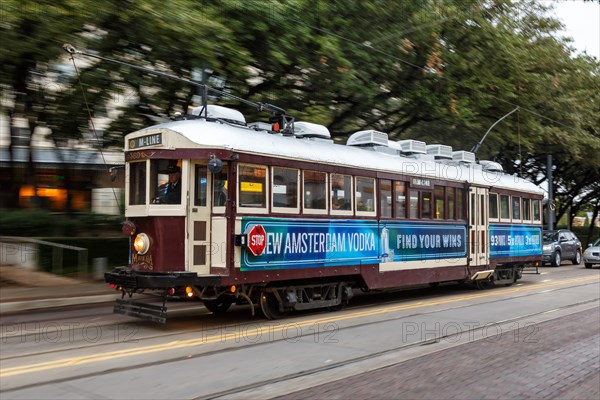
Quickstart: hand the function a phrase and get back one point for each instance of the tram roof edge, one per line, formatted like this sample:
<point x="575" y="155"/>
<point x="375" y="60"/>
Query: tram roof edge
<point x="216" y="134"/>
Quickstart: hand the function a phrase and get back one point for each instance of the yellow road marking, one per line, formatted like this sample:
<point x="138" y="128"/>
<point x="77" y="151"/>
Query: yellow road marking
<point x="269" y="329"/>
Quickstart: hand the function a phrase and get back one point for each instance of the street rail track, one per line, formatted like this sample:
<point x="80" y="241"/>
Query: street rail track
<point x="351" y="313"/>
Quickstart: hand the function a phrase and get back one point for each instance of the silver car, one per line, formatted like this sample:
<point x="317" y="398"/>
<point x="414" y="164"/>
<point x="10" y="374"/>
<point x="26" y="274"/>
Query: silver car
<point x="591" y="255"/>
<point x="560" y="245"/>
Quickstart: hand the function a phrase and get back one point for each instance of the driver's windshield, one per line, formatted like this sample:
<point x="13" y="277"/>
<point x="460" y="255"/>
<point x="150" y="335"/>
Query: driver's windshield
<point x="165" y="182"/>
<point x="550" y="237"/>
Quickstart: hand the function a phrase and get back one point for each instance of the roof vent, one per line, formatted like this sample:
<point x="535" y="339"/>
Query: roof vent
<point x="308" y="129"/>
<point x="412" y="147"/>
<point x="440" y="151"/>
<point x="491" y="166"/>
<point x="219" y="112"/>
<point x="463" y="156"/>
<point x="369" y="137"/>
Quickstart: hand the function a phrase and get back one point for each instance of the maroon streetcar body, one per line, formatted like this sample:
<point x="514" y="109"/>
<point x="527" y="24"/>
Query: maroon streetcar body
<point x="228" y="212"/>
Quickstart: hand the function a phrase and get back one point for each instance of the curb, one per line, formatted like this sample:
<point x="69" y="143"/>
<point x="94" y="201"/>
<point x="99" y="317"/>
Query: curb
<point x="16" y="306"/>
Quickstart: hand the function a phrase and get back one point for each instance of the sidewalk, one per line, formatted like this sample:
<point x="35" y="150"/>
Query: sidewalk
<point x="23" y="290"/>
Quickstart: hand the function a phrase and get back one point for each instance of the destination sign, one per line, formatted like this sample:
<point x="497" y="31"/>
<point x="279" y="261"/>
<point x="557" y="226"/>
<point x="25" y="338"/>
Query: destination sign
<point x="422" y="182"/>
<point x="145" y="141"/>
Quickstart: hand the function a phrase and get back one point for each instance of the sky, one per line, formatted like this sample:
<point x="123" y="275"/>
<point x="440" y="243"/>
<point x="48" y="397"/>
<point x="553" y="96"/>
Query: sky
<point x="582" y="23"/>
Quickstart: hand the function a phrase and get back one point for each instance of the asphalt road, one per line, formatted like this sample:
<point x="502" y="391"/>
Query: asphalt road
<point x="539" y="338"/>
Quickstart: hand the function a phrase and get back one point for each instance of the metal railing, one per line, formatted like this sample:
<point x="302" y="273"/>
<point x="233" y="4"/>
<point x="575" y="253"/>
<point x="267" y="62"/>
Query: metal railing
<point x="57" y="253"/>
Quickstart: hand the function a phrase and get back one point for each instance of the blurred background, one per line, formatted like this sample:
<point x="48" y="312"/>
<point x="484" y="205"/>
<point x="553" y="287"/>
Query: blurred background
<point x="432" y="70"/>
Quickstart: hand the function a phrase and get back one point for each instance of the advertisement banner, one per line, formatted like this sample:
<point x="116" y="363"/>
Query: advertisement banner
<point x="515" y="241"/>
<point x="289" y="243"/>
<point x="276" y="243"/>
<point x="411" y="241"/>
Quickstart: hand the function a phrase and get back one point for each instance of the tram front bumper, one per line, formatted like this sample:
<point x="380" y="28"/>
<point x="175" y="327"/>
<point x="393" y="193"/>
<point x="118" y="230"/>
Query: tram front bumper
<point x="132" y="280"/>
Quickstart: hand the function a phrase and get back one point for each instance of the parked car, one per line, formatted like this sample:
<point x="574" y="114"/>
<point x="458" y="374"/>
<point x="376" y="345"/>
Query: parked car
<point x="559" y="245"/>
<point x="591" y="255"/>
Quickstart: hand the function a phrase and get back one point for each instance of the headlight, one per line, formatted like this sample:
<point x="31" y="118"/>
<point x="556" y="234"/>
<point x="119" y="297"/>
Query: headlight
<point x="547" y="247"/>
<point x="141" y="244"/>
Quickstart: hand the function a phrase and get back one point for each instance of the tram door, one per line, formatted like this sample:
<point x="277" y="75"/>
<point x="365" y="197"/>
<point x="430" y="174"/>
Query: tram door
<point x="199" y="219"/>
<point x="478" y="231"/>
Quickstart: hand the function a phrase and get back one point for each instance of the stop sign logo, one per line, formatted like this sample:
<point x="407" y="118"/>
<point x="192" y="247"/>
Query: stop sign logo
<point x="257" y="240"/>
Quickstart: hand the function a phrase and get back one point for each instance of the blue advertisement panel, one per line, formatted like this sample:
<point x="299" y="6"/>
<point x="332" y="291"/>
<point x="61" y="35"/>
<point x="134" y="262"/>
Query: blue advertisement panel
<point x="515" y="241"/>
<point x="274" y="243"/>
<point x="410" y="241"/>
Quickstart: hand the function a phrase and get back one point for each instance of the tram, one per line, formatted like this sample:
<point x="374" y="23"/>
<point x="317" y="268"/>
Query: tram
<point x="278" y="216"/>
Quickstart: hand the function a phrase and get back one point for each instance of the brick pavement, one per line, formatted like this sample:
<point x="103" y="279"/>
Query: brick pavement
<point x="557" y="359"/>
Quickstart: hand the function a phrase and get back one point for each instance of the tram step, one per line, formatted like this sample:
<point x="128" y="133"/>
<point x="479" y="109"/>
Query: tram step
<point x="151" y="312"/>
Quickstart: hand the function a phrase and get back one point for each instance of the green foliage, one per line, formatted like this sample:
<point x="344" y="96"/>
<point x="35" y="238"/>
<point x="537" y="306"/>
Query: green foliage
<point x="40" y="223"/>
<point x="436" y="71"/>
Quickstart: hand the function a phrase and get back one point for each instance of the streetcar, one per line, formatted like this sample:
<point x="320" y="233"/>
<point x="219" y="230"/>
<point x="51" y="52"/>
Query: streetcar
<point x="278" y="216"/>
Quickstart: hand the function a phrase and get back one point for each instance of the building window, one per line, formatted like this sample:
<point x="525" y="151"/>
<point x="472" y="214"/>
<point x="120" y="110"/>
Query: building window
<point x="385" y="198"/>
<point x="285" y="188"/>
<point x="504" y="206"/>
<point x="440" y="202"/>
<point x="516" y="208"/>
<point x="315" y="190"/>
<point x="493" y="205"/>
<point x="341" y="192"/>
<point x="400" y="206"/>
<point x="137" y="183"/>
<point x="365" y="194"/>
<point x="252" y="186"/>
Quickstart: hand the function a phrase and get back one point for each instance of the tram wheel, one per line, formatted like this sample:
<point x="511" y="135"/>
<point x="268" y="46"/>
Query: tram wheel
<point x="269" y="306"/>
<point x="482" y="284"/>
<point x="220" y="305"/>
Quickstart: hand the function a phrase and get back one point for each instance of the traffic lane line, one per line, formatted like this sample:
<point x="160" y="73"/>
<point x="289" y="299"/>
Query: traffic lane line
<point x="263" y="330"/>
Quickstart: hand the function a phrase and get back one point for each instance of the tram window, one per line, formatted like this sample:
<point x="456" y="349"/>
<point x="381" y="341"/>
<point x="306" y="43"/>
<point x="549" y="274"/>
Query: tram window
<point x="400" y="206"/>
<point x="414" y="204"/>
<point x="341" y="192"/>
<point x="219" y="187"/>
<point x="504" y="206"/>
<point x="200" y="186"/>
<point x="526" y="209"/>
<point x="165" y="181"/>
<point x="493" y="206"/>
<point x="460" y="204"/>
<point x="536" y="210"/>
<point x="516" y="207"/>
<point x="473" y="206"/>
<point x="440" y="203"/>
<point x="315" y="190"/>
<point x="385" y="198"/>
<point x="451" y="194"/>
<point x="365" y="194"/>
<point x="253" y="186"/>
<point x="137" y="183"/>
<point x="285" y="188"/>
<point x="426" y="205"/>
